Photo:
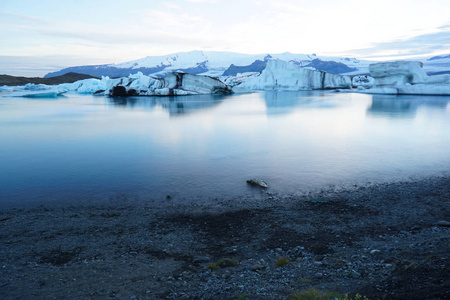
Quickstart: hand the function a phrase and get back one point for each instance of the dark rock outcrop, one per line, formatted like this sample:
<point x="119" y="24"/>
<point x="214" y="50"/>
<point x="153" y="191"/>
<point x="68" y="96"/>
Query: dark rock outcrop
<point x="330" y="66"/>
<point x="106" y="70"/>
<point x="256" y="66"/>
<point x="121" y="91"/>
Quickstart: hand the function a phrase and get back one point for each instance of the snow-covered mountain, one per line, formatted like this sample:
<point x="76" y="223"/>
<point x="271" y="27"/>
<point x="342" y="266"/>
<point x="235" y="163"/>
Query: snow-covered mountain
<point x="396" y="78"/>
<point x="216" y="63"/>
<point x="437" y="65"/>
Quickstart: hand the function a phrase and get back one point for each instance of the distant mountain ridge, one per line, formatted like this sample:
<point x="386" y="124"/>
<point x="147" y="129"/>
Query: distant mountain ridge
<point x="215" y="63"/>
<point x="445" y="56"/>
<point x="256" y="66"/>
<point x="212" y="63"/>
<point x="65" y="78"/>
<point x="331" y="66"/>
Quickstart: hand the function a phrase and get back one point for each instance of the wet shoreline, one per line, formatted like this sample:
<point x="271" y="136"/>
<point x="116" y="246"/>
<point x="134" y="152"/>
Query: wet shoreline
<point x="385" y="241"/>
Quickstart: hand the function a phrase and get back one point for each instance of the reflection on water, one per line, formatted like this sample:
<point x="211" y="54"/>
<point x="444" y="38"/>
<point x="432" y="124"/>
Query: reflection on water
<point x="175" y="105"/>
<point x="284" y="103"/>
<point x="404" y="106"/>
<point x="87" y="148"/>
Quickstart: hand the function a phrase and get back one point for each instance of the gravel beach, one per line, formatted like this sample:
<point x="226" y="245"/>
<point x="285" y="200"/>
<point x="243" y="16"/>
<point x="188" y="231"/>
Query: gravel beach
<point x="383" y="241"/>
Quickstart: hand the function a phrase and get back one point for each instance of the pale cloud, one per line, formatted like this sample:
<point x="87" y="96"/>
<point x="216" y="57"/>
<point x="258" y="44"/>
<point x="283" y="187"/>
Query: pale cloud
<point x="437" y="42"/>
<point x="202" y="1"/>
<point x="171" y="6"/>
<point x="169" y="20"/>
<point x="121" y="31"/>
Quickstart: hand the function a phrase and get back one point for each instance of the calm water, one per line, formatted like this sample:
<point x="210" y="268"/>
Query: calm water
<point x="85" y="148"/>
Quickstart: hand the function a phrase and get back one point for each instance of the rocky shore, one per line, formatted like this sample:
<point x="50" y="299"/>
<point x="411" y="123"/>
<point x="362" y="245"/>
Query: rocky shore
<point x="383" y="241"/>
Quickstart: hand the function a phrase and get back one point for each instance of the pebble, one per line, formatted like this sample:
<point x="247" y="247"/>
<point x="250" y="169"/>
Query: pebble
<point x="444" y="223"/>
<point x="318" y="275"/>
<point x="355" y="274"/>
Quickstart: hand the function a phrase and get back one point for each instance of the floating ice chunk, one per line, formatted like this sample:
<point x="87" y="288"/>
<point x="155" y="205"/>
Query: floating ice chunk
<point x="49" y="93"/>
<point x="406" y="78"/>
<point x="397" y="73"/>
<point x="36" y="87"/>
<point x="175" y="84"/>
<point x="282" y="75"/>
<point x="6" y="88"/>
<point x="90" y="86"/>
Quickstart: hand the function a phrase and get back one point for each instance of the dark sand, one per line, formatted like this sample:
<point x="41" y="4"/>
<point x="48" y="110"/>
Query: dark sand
<point x="385" y="241"/>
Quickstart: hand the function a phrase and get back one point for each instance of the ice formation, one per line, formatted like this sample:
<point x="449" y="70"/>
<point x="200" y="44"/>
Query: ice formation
<point x="26" y="87"/>
<point x="401" y="77"/>
<point x="175" y="84"/>
<point x="397" y="73"/>
<point x="48" y="93"/>
<point x="282" y="75"/>
<point x="406" y="78"/>
<point x="238" y="79"/>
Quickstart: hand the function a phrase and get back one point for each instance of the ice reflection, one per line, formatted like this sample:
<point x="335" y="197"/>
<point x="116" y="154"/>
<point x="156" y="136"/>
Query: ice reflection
<point x="86" y="148"/>
<point x="287" y="102"/>
<point x="404" y="106"/>
<point x="174" y="105"/>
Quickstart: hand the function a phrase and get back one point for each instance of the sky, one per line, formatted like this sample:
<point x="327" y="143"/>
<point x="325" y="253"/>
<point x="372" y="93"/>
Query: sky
<point x="46" y="35"/>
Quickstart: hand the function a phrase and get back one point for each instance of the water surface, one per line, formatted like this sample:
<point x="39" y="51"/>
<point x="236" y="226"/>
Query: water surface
<point x="81" y="148"/>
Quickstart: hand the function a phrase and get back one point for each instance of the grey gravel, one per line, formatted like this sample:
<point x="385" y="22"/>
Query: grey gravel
<point x="380" y="240"/>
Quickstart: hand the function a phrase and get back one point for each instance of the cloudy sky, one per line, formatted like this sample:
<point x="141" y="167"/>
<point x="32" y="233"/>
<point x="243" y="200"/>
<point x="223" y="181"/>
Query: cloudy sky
<point x="47" y="35"/>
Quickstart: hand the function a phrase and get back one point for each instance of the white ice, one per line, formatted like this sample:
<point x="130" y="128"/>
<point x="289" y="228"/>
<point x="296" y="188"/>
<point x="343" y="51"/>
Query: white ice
<point x="406" y="78"/>
<point x="282" y="75"/>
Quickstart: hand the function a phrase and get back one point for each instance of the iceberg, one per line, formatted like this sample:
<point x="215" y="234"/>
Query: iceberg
<point x="36" y="87"/>
<point x="89" y="86"/>
<point x="406" y="78"/>
<point x="397" y="73"/>
<point x="283" y="75"/>
<point x="26" y="87"/>
<point x="175" y="84"/>
<point x="6" y="88"/>
<point x="49" y="93"/>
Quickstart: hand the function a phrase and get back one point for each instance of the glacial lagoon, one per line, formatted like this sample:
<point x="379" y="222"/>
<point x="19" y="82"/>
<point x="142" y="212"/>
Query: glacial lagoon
<point x="87" y="149"/>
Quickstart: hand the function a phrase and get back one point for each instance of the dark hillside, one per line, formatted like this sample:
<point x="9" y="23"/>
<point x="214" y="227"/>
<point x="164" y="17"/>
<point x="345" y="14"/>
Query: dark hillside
<point x="66" y="78"/>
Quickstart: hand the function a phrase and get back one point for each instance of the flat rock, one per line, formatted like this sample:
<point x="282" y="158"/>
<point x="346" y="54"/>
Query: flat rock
<point x="444" y="223"/>
<point x="257" y="182"/>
